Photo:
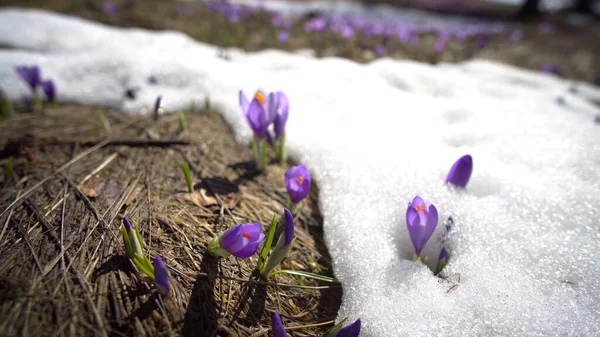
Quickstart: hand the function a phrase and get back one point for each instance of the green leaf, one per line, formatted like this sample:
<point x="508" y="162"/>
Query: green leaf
<point x="336" y="328"/>
<point x="264" y="253"/>
<point x="188" y="177"/>
<point x="127" y="241"/>
<point x="8" y="171"/>
<point x="183" y="124"/>
<point x="306" y="274"/>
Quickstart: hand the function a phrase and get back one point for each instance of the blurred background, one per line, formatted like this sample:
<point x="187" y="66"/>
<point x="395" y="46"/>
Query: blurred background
<point x="552" y="36"/>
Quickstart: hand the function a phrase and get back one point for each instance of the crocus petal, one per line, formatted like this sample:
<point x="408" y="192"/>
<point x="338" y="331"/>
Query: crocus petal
<point x="257" y="118"/>
<point x="242" y="240"/>
<point x="351" y="330"/>
<point x="277" y="326"/>
<point x="460" y="173"/>
<point x="281" y="113"/>
<point x="443" y="255"/>
<point x="288" y="226"/>
<point x="432" y="221"/>
<point x="250" y="249"/>
<point x="244" y="104"/>
<point x="270" y="138"/>
<point x="161" y="275"/>
<point x="49" y="90"/>
<point x="417" y="201"/>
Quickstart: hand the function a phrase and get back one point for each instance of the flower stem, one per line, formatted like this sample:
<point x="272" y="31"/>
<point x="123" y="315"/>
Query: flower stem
<point x="260" y="155"/>
<point x="281" y="150"/>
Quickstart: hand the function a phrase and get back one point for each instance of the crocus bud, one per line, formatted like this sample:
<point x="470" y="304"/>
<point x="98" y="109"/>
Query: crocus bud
<point x="240" y="241"/>
<point x="352" y="330"/>
<point x="297" y="182"/>
<point x="421" y="220"/>
<point x="158" y="107"/>
<point x="132" y="240"/>
<point x="161" y="276"/>
<point x="279" y="105"/>
<point x="277" y="326"/>
<point x="283" y="246"/>
<point x="49" y="90"/>
<point x="461" y="171"/>
<point x="258" y="118"/>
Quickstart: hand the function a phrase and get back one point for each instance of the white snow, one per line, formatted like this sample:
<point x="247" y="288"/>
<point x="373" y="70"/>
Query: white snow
<point x="526" y="231"/>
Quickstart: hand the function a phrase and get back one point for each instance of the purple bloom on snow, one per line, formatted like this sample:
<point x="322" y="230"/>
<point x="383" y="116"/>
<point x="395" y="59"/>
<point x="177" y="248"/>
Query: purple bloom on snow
<point x="161" y="276"/>
<point x="551" y="69"/>
<point x="30" y="74"/>
<point x="297" y="182"/>
<point x="279" y="109"/>
<point x="461" y="171"/>
<point x="443" y="255"/>
<point x="351" y="330"/>
<point x="283" y="36"/>
<point x="421" y="220"/>
<point x="277" y="326"/>
<point x="49" y="90"/>
<point x="242" y="240"/>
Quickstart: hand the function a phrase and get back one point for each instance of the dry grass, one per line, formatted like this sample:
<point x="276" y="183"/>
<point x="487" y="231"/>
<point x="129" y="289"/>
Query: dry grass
<point x="64" y="271"/>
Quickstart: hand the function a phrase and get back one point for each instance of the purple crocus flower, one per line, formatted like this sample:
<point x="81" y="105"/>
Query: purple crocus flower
<point x="546" y="27"/>
<point x="421" y="220"/>
<point x="270" y="138"/>
<point x="29" y="74"/>
<point x="380" y="50"/>
<point x="277" y="326"/>
<point x="352" y="330"/>
<point x="283" y="36"/>
<point x="161" y="276"/>
<point x="242" y="240"/>
<point x="297" y="182"/>
<point x="49" y="90"/>
<point x="440" y="45"/>
<point x="258" y="118"/>
<point x="262" y="99"/>
<point x="461" y="171"/>
<point x="551" y="69"/>
<point x="279" y="106"/>
<point x="110" y="8"/>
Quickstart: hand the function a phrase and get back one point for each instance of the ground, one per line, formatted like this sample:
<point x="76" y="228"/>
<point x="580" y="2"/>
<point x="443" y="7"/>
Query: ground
<point x="573" y="48"/>
<point x="64" y="269"/>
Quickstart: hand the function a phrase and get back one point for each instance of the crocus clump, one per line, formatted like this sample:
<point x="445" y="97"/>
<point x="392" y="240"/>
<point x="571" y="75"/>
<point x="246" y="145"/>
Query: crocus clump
<point x="460" y="173"/>
<point x="283" y="246"/>
<point x="421" y="220"/>
<point x="297" y="183"/>
<point x="161" y="276"/>
<point x="239" y="240"/>
<point x="277" y="326"/>
<point x="260" y="113"/>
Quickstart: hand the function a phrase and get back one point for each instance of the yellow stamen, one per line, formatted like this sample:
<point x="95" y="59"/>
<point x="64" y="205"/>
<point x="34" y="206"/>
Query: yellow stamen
<point x="260" y="97"/>
<point x="246" y="235"/>
<point x="420" y="207"/>
<point x="300" y="180"/>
